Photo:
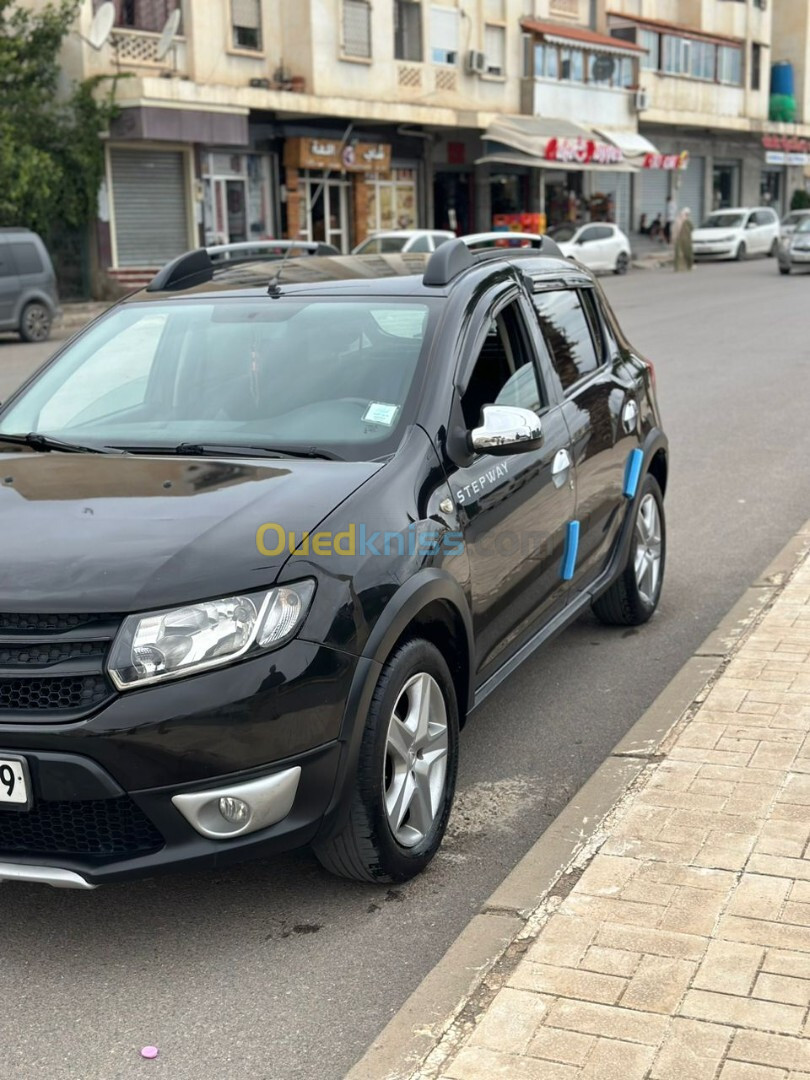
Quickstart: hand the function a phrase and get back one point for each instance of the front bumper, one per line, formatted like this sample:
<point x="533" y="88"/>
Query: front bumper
<point x="715" y="251"/>
<point x="134" y="789"/>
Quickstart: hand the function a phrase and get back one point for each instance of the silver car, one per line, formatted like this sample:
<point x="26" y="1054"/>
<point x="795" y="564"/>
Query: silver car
<point x="28" y="298"/>
<point x="794" y="251"/>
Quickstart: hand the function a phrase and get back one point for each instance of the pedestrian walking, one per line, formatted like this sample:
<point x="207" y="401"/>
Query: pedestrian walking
<point x="671" y="214"/>
<point x="682" y="240"/>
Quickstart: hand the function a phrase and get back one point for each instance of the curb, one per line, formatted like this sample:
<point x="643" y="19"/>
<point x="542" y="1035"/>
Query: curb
<point x="511" y="911"/>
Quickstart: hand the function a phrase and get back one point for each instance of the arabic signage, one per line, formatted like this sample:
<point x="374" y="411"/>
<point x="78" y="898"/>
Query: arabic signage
<point x="666" y="161"/>
<point x="786" y="144"/>
<point x="337" y="156"/>
<point x="579" y="151"/>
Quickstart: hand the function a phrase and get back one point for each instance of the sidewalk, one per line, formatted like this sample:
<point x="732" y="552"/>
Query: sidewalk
<point x="682" y="952"/>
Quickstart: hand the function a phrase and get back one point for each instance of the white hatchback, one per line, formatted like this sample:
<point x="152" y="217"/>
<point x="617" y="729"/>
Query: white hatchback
<point x="389" y="243"/>
<point x="599" y="245"/>
<point x="736" y="233"/>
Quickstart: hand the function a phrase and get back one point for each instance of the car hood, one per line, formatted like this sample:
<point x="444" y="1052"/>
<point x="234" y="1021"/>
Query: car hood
<point x="715" y="233"/>
<point x="107" y="533"/>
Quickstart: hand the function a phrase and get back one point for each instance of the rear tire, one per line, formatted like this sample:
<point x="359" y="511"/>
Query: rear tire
<point x="740" y="253"/>
<point x="634" y="595"/>
<point x="35" y="322"/>
<point x="774" y="249"/>
<point x="784" y="270"/>
<point x="622" y="263"/>
<point x="381" y="841"/>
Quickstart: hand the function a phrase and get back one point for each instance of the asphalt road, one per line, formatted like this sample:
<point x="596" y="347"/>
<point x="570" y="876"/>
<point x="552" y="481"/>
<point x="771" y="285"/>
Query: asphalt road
<point x="277" y="970"/>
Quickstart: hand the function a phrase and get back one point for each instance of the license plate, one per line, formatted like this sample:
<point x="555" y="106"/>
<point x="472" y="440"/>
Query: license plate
<point x="15" y="784"/>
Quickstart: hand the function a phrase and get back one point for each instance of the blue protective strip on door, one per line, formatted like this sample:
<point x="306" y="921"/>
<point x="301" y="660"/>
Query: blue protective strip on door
<point x="569" y="560"/>
<point x="632" y="472"/>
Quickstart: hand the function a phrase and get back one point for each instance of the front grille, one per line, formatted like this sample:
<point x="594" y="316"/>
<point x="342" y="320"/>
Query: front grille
<point x="101" y="828"/>
<point x="53" y="695"/>
<point x="52" y="667"/>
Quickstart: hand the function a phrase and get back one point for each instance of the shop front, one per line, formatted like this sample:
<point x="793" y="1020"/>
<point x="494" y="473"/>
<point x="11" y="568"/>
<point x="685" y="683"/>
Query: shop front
<point x="237" y="203"/>
<point x="783" y="170"/>
<point x="337" y="192"/>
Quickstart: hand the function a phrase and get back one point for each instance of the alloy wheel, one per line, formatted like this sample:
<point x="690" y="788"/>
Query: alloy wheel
<point x="416" y="753"/>
<point x="36" y="322"/>
<point x="648" y="549"/>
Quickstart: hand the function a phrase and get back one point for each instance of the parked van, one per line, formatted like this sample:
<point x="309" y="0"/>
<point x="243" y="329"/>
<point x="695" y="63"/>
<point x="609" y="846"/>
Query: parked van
<point x="28" y="298"/>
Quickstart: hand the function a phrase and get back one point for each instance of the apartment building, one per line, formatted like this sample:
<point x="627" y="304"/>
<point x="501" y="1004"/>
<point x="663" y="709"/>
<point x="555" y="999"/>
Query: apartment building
<point x="329" y="119"/>
<point x="705" y="80"/>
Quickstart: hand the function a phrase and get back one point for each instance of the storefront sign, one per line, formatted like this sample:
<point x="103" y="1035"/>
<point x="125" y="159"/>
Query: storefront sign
<point x="779" y="157"/>
<point x="583" y="152"/>
<point x="666" y="161"/>
<point x="336" y="156"/>
<point x="786" y="144"/>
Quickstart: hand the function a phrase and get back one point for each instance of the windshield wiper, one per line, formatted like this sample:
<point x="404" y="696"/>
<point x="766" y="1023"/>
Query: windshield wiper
<point x="188" y="449"/>
<point x="45" y="443"/>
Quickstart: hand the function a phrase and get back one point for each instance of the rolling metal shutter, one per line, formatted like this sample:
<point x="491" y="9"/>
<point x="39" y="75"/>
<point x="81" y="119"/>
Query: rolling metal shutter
<point x="618" y="185"/>
<point x="653" y="191"/>
<point x="149" y="197"/>
<point x="691" y="190"/>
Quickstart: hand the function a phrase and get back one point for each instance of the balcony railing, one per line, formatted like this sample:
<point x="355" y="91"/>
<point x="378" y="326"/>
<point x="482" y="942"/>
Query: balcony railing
<point x="566" y="9"/>
<point x="139" y="48"/>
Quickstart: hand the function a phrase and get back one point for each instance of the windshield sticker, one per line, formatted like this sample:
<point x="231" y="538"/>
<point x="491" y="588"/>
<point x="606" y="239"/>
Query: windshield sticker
<point x="380" y="413"/>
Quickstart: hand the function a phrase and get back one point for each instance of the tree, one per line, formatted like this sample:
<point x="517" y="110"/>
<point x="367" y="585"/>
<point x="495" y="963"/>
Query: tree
<point x="51" y="155"/>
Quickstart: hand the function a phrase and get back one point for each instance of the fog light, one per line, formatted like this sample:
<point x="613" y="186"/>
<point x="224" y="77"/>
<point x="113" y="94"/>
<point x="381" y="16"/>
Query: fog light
<point x="234" y="810"/>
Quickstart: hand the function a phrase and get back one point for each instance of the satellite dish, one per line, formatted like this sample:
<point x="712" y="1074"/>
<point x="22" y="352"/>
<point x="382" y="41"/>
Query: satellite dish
<point x="603" y="68"/>
<point x="101" y="25"/>
<point x="168" y="34"/>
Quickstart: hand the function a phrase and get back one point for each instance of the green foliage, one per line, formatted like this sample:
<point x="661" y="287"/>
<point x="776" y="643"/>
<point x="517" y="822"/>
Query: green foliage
<point x="51" y="155"/>
<point x="800" y="200"/>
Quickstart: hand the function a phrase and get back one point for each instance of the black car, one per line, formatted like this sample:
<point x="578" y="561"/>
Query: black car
<point x="271" y="532"/>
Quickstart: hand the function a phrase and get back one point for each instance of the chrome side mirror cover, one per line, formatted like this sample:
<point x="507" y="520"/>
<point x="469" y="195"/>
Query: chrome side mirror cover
<point x="506" y="429"/>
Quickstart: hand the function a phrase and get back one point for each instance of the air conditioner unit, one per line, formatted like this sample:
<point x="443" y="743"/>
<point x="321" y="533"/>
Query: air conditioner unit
<point x="641" y="101"/>
<point x="476" y="63"/>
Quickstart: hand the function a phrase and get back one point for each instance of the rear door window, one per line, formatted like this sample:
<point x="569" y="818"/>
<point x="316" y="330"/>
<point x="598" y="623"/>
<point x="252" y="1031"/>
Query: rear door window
<point x="7" y="267"/>
<point x="566" y="328"/>
<point x="26" y="257"/>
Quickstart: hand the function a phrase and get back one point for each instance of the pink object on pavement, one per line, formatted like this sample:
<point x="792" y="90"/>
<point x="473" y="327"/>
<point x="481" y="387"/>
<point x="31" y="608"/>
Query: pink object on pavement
<point x="149" y="1052"/>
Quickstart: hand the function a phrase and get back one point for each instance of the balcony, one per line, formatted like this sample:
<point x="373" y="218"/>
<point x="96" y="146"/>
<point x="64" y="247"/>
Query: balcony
<point x="598" y="105"/>
<point x="688" y="100"/>
<point x="567" y="9"/>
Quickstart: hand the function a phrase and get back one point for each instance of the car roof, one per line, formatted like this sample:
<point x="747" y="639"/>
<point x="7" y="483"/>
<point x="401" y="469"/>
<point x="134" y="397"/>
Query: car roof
<point x="400" y="274"/>
<point x="409" y="232"/>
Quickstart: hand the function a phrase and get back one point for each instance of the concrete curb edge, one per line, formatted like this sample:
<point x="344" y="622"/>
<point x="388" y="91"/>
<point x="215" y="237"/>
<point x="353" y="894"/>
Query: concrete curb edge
<point x="419" y="1025"/>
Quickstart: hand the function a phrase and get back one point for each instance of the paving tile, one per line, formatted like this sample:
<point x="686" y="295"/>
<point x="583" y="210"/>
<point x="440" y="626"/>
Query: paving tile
<point x="610" y="910"/>
<point x="607" y="876"/>
<point x="798" y="914"/>
<point x="567" y="1047"/>
<point x="783" y="838"/>
<point x="729" y="967"/>
<point x="783" y="988"/>
<point x="760" y="932"/>
<point x="614" y="1060"/>
<point x="779" y="866"/>
<point x="782" y="962"/>
<point x="563" y="941"/>
<point x="610" y="961"/>
<point x="779" y="1051"/>
<point x="759" y="897"/>
<point x="655" y="942"/>
<point x="568" y="982"/>
<point x="692" y="1051"/>
<point x="511" y="1020"/>
<point x="693" y="912"/>
<point x="694" y="877"/>
<point x="478" y="1063"/>
<point x="741" y="1012"/>
<point x="658" y="984"/>
<point x="743" y="1070"/>
<point x="625" y="1024"/>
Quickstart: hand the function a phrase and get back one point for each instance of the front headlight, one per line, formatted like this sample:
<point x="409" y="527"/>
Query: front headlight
<point x="180" y="641"/>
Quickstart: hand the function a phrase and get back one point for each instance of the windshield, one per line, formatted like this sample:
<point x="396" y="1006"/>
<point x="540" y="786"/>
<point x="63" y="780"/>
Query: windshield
<point x="563" y="233"/>
<point x="791" y="220"/>
<point x="382" y="245"/>
<point x="339" y="376"/>
<point x="723" y="221"/>
<point x="804" y="225"/>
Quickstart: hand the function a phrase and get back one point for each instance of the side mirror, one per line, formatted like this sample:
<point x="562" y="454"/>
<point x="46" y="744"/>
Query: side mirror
<point x="506" y="429"/>
<point x="751" y="225"/>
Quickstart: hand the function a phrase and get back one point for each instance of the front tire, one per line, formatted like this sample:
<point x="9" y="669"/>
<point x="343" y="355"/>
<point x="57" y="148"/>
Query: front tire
<point x="784" y="270"/>
<point x="774" y="249"/>
<point x="740" y="253"/>
<point x="634" y="596"/>
<point x="622" y="263"/>
<point x="406" y="772"/>
<point x="35" y="322"/>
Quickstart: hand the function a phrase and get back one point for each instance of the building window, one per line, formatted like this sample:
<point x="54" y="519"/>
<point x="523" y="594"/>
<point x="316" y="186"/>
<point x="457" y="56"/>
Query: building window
<point x="703" y="60"/>
<point x="444" y="35"/>
<point x="408" y="30"/>
<point x="495" y="49"/>
<point x="392" y="201"/>
<point x="136" y="15"/>
<point x="602" y="68"/>
<point x="675" y="59"/>
<point x="756" y="65"/>
<point x="546" y="61"/>
<point x="649" y="40"/>
<point x="356" y="37"/>
<point x="573" y="65"/>
<point x="626" y="73"/>
<point x="246" y="18"/>
<point x="729" y="65"/>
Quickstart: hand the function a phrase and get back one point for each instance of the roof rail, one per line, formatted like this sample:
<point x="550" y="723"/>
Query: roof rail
<point x="193" y="264"/>
<point x="453" y="257"/>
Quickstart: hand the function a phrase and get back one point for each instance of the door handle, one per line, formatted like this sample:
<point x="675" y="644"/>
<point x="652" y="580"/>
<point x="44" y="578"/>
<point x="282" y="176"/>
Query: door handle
<point x="630" y="416"/>
<point x="560" y="467"/>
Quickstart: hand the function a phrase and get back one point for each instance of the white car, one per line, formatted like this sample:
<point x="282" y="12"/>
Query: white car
<point x="598" y="245"/>
<point x="400" y="240"/>
<point x="736" y="233"/>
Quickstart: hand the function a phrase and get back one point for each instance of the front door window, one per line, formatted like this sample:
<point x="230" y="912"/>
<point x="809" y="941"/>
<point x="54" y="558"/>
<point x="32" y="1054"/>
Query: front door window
<point x="237" y="198"/>
<point x="325" y="210"/>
